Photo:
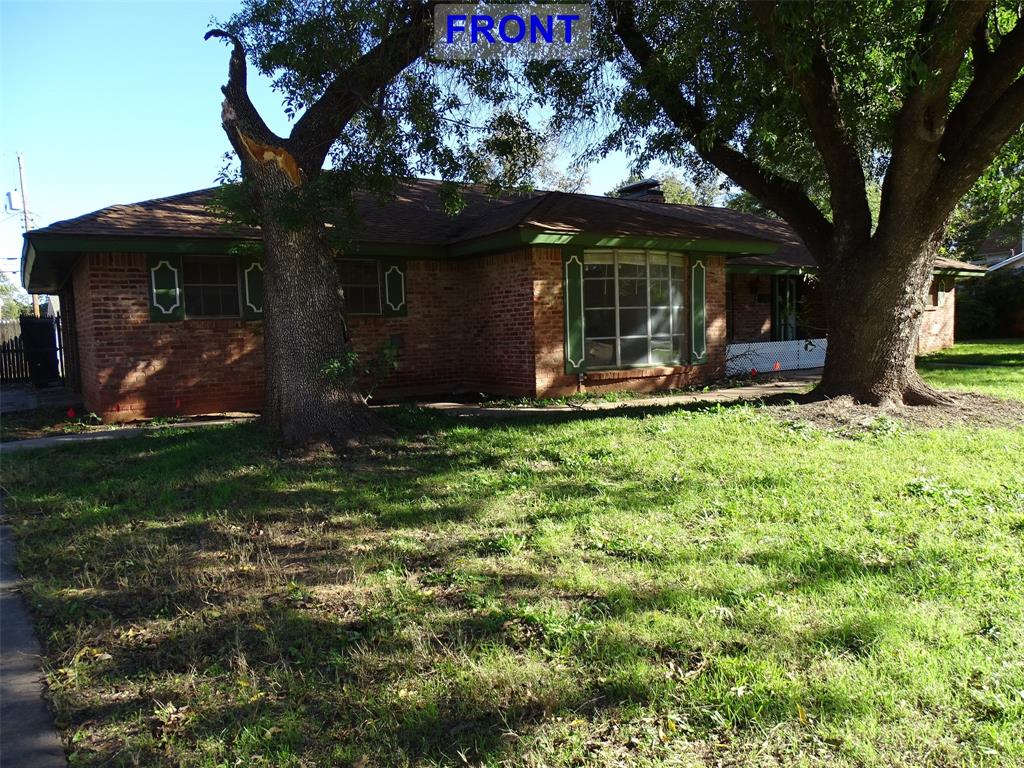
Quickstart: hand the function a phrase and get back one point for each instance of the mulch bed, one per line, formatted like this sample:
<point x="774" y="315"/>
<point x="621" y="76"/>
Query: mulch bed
<point x="842" y="413"/>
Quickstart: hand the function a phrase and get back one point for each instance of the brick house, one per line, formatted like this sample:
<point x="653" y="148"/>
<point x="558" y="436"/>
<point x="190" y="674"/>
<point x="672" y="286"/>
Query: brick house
<point x="537" y="296"/>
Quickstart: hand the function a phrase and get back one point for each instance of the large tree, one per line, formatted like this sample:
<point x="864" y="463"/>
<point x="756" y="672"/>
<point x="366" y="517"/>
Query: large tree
<point x="337" y="65"/>
<point x="367" y="109"/>
<point x="808" y="101"/>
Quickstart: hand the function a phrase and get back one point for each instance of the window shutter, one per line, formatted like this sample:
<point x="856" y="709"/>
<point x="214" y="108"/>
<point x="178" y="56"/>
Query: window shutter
<point x="698" y="312"/>
<point x="393" y="288"/>
<point x="166" y="301"/>
<point x="572" y="290"/>
<point x="250" y="269"/>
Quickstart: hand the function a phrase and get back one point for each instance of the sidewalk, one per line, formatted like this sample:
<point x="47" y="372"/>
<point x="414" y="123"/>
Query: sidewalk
<point x="793" y="382"/>
<point x="27" y="735"/>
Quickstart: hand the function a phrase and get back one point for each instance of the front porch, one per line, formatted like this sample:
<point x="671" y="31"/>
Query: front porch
<point x="772" y="322"/>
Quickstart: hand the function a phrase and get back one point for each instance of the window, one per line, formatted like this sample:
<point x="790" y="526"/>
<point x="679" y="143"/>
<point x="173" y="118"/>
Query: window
<point x="360" y="280"/>
<point x="210" y="286"/>
<point x="937" y="292"/>
<point x="633" y="310"/>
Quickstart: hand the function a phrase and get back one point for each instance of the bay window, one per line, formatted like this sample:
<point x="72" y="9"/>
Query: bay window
<point x="633" y="308"/>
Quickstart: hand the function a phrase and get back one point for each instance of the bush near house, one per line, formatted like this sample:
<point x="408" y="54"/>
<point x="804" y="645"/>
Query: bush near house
<point x="991" y="306"/>
<point x="666" y="586"/>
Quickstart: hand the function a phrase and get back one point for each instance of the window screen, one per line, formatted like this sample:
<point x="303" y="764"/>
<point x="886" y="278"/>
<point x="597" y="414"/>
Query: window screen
<point x="633" y="311"/>
<point x="210" y="285"/>
<point x="360" y="280"/>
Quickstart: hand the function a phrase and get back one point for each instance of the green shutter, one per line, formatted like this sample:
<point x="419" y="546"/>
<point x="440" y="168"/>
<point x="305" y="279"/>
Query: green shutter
<point x="572" y="289"/>
<point x="698" y="312"/>
<point x="166" y="299"/>
<point x="393" y="288"/>
<point x="250" y="270"/>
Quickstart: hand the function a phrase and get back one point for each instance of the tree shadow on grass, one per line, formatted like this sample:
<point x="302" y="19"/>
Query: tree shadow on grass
<point x="239" y="578"/>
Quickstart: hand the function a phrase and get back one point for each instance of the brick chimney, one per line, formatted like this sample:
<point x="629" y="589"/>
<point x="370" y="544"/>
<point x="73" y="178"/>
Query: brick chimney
<point x="648" y="190"/>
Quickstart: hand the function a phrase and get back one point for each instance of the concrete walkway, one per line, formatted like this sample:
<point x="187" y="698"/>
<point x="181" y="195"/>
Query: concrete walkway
<point x="27" y="735"/>
<point x="792" y="382"/>
<point x="101" y="435"/>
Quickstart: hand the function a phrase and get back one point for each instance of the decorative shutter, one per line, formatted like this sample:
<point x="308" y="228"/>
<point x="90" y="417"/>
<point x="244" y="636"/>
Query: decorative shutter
<point x="393" y="288"/>
<point x="250" y="268"/>
<point x="698" y="312"/>
<point x="572" y="290"/>
<point x="166" y="299"/>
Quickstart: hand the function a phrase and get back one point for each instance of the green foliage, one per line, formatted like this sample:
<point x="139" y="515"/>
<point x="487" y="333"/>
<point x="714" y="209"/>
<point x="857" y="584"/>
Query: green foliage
<point x="354" y="375"/>
<point x="15" y="301"/>
<point x="990" y="306"/>
<point x="718" y="59"/>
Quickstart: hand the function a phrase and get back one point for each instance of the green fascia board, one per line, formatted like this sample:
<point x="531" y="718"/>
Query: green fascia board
<point x="958" y="273"/>
<point x="653" y="243"/>
<point x="521" y="237"/>
<point x="398" y="250"/>
<point x="768" y="270"/>
<point x="130" y="244"/>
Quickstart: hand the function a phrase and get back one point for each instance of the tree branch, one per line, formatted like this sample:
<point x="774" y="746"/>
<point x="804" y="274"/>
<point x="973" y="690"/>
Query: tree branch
<point x="994" y="73"/>
<point x="782" y="195"/>
<point x="818" y="90"/>
<point x="976" y="152"/>
<point x="238" y="109"/>
<point x="921" y="123"/>
<point x="322" y="122"/>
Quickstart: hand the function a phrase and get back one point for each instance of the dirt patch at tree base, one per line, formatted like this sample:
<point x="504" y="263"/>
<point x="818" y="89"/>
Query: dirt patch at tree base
<point x="845" y="415"/>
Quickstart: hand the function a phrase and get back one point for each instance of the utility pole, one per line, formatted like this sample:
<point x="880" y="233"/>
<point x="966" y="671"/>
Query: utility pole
<point x="24" y="217"/>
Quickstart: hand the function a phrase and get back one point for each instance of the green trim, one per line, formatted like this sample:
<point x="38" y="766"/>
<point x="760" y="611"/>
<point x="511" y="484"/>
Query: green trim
<point x="250" y="273"/>
<point x="958" y="273"/>
<point x="166" y="294"/>
<point x="391" y="250"/>
<point x="393" y="289"/>
<point x="28" y="259"/>
<point x="697" y="280"/>
<point x="741" y="270"/>
<point x="130" y="244"/>
<point x="572" y="293"/>
<point x="521" y="237"/>
<point x="650" y="243"/>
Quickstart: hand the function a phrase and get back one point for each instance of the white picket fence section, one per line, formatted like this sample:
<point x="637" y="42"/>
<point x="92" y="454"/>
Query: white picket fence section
<point x="764" y="356"/>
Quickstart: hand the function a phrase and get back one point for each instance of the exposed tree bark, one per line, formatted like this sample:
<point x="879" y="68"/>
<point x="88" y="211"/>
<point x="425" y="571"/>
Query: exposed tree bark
<point x="873" y="314"/>
<point x="304" y="310"/>
<point x="874" y="284"/>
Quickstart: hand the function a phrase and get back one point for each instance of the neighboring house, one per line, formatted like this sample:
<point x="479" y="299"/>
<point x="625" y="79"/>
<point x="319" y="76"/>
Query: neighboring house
<point x="538" y="296"/>
<point x="1002" y="248"/>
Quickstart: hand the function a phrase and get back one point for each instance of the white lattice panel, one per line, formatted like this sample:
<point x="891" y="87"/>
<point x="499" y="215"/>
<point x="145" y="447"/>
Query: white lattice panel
<point x="770" y="356"/>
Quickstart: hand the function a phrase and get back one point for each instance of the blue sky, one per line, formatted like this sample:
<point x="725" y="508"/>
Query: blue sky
<point x="115" y="102"/>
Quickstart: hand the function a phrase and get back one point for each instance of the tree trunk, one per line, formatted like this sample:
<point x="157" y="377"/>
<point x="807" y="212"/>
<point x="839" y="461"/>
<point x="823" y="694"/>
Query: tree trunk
<point x="874" y="303"/>
<point x="304" y="308"/>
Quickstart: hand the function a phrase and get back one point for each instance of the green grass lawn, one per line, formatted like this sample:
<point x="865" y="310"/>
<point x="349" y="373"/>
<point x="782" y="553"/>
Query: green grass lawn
<point x="667" y="587"/>
<point x="993" y="367"/>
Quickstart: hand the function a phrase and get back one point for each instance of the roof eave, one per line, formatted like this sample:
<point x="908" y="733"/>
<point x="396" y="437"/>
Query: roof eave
<point x="528" y="236"/>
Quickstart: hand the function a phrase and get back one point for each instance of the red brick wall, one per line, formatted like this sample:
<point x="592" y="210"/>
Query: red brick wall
<point x="937" y="321"/>
<point x="469" y="328"/>
<point x="133" y="367"/>
<point x="491" y="324"/>
<point x="428" y="338"/>
<point x="750" y="319"/>
<point x="549" y="324"/>
<point x="497" y="323"/>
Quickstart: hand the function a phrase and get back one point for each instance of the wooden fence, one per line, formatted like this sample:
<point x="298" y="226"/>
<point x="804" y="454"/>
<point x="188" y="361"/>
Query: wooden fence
<point x="13" y="362"/>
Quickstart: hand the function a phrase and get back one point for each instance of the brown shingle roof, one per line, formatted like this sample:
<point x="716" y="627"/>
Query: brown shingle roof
<point x="415" y="214"/>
